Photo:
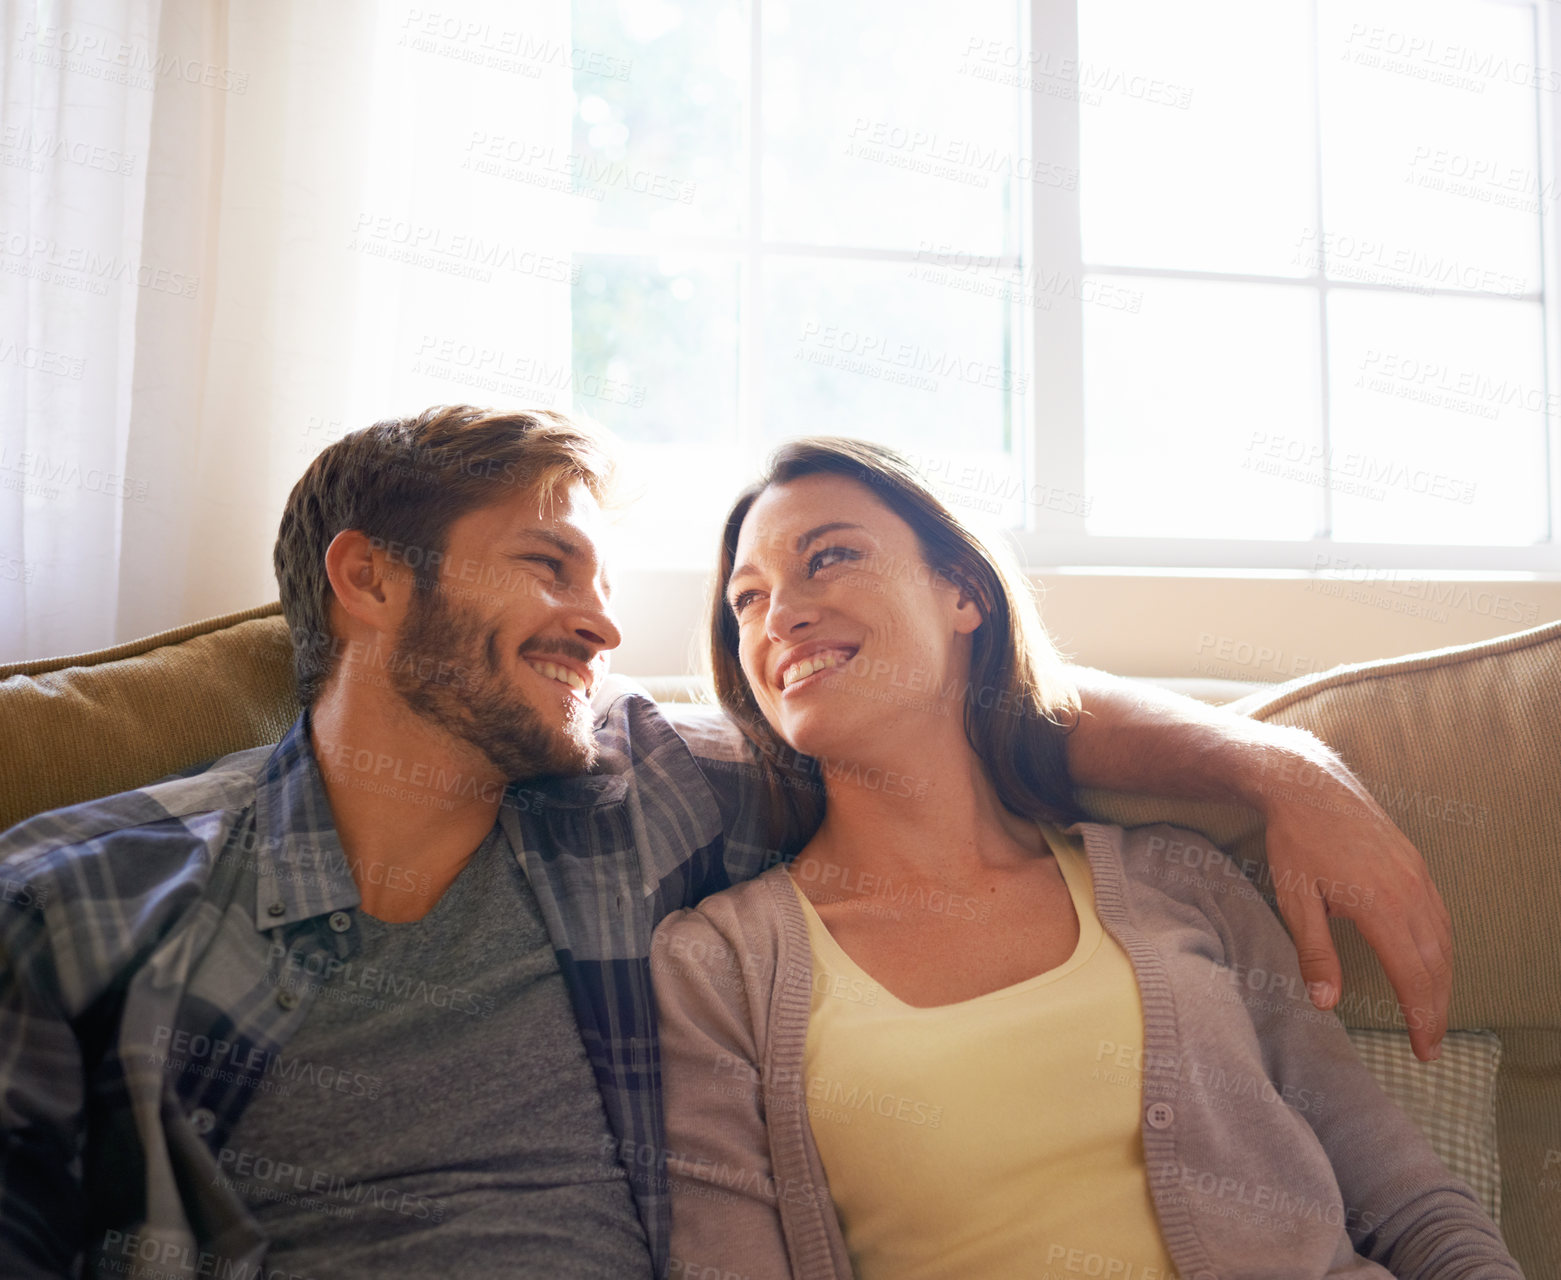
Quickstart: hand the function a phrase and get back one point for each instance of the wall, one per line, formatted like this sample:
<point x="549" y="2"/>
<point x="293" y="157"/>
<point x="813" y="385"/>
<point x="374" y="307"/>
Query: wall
<point x="1236" y="626"/>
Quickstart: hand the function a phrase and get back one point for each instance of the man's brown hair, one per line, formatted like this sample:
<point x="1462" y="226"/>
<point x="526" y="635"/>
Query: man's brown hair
<point x="404" y="481"/>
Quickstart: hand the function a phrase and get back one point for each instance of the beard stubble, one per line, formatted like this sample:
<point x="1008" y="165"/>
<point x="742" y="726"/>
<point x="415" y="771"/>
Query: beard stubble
<point x="478" y="704"/>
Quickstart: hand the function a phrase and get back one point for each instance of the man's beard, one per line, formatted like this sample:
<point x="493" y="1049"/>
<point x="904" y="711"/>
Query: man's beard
<point x="476" y="703"/>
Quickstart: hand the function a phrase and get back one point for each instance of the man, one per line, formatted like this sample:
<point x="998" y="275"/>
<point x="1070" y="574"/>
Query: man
<point x="335" y="1008"/>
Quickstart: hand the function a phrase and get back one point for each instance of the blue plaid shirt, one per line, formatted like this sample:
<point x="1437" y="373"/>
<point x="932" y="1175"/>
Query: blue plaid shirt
<point x="144" y="940"/>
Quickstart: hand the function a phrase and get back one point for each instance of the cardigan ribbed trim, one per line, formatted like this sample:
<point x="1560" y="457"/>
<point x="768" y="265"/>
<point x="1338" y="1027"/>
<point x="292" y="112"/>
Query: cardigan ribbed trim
<point x="1161" y="1044"/>
<point x="791" y="1007"/>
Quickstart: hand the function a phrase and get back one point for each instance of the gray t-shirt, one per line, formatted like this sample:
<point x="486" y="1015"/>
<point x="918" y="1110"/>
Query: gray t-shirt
<point x="442" y="1118"/>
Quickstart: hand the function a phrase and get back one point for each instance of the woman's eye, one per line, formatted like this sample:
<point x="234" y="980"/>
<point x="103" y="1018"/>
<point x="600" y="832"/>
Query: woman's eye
<point x="830" y="556"/>
<point x="743" y="600"/>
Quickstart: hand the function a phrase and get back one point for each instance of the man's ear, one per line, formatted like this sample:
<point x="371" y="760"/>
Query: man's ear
<point x="367" y="585"/>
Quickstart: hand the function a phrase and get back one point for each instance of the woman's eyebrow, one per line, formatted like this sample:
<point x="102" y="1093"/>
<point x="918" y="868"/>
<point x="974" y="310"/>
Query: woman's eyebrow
<point x="802" y="541"/>
<point x="821" y="530"/>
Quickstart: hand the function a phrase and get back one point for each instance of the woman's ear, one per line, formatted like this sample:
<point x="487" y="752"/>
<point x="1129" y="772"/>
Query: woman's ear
<point x="968" y="614"/>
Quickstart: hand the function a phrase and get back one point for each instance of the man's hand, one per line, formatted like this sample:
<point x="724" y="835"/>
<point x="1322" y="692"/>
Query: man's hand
<point x="1332" y="851"/>
<point x="1331" y="848"/>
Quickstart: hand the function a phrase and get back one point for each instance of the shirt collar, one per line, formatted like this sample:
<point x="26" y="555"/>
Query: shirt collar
<point x="301" y="867"/>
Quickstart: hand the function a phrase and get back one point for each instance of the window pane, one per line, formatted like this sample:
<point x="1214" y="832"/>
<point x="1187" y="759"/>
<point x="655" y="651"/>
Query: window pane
<point x="869" y="349"/>
<point x="880" y="136"/>
<point x="1438" y="416"/>
<point x="655" y="346"/>
<point x="1196" y="134"/>
<point x="660" y="95"/>
<point x="1184" y="403"/>
<point x="1430" y="155"/>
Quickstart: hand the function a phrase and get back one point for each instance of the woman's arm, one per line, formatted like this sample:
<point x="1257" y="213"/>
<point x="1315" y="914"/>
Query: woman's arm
<point x="1332" y="851"/>
<point x="726" y="1217"/>
<point x="1404" y="1210"/>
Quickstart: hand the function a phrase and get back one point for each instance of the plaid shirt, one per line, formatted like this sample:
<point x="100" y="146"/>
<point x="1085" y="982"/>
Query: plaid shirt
<point x="144" y="939"/>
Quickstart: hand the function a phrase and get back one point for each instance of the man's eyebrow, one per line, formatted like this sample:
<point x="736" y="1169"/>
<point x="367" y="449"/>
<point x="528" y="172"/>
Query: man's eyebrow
<point x="570" y="549"/>
<point x="552" y="539"/>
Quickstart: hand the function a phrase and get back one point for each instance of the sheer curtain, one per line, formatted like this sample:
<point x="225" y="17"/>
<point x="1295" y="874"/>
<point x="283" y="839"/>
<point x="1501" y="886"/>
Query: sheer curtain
<point x="229" y="232"/>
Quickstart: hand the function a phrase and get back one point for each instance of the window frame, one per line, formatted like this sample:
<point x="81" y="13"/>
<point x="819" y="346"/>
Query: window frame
<point x="1056" y="439"/>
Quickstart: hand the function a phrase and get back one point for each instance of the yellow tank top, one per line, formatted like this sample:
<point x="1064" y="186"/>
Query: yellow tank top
<point x="995" y="1137"/>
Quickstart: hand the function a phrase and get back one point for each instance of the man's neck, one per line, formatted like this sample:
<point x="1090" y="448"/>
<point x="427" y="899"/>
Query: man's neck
<point x="411" y="804"/>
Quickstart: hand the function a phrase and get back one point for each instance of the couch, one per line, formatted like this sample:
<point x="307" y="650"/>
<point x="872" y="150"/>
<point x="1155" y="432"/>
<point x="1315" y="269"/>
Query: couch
<point x="1462" y="746"/>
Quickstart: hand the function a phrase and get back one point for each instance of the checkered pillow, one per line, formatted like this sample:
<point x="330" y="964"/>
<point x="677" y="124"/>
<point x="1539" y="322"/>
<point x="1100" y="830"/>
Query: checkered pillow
<point x="1453" y="1100"/>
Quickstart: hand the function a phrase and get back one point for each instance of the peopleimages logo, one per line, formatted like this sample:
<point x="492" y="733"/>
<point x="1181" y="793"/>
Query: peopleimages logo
<point x="1278" y="1205"/>
<point x="100" y="55"/>
<point x="78" y="267"/>
<point x="261" y="1177"/>
<point x="1042" y="71"/>
<point x="966" y="160"/>
<point x="313" y="971"/>
<point x="1029" y="285"/>
<point x="1399" y="266"/>
<point x="54" y="474"/>
<point x="1443" y="62"/>
<point x="1369" y="475"/>
<point x="457" y="253"/>
<point x="29" y="149"/>
<point x="235" y="1062"/>
<point x="862" y="350"/>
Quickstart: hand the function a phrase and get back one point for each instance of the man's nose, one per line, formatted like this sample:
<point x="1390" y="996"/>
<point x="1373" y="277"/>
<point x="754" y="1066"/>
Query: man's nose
<point x="597" y="624"/>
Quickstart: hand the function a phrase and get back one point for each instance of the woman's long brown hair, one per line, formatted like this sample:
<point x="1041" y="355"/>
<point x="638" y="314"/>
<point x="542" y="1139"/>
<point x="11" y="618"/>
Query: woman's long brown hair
<point x="1019" y="702"/>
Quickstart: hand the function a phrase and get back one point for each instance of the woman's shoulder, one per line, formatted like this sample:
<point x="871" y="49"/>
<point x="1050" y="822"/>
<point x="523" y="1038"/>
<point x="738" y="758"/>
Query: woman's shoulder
<point x="738" y="950"/>
<point x="1184" y="863"/>
<point x="752" y="914"/>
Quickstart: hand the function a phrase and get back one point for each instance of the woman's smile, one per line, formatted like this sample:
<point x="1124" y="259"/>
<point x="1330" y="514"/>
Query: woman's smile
<point x="812" y="661"/>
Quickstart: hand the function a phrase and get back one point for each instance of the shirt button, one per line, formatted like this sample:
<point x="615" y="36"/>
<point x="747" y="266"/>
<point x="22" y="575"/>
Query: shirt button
<point x="1160" y="1115"/>
<point x="202" y="1121"/>
<point x="287" y="998"/>
<point x="341" y="921"/>
<point x="276" y="909"/>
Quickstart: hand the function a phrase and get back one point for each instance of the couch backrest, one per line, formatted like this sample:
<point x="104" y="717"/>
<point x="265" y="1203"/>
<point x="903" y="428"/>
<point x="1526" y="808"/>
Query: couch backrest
<point x="1462" y="746"/>
<point x="90" y="725"/>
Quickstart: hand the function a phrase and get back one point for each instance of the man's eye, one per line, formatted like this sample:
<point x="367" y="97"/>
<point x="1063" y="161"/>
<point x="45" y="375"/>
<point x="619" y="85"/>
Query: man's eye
<point x="552" y="562"/>
<point x="830" y="556"/>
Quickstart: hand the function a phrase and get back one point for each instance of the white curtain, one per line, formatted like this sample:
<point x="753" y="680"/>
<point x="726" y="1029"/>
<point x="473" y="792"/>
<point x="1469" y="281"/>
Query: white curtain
<point x="229" y="232"/>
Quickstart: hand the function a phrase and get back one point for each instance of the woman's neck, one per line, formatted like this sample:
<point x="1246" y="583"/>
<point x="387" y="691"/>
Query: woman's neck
<point x="918" y="814"/>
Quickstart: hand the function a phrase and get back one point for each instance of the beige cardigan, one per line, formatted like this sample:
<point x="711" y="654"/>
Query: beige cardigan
<point x="1299" y="1162"/>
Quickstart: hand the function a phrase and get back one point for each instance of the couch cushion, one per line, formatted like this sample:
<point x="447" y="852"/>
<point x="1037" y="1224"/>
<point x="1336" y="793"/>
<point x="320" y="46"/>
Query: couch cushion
<point x="1453" y="1100"/>
<point x="90" y="725"/>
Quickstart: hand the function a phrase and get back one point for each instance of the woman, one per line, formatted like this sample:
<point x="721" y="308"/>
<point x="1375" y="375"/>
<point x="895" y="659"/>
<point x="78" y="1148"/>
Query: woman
<point x="955" y="1037"/>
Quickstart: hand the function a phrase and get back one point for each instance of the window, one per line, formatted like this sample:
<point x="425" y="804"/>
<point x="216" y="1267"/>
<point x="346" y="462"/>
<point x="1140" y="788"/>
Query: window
<point x="1206" y="284"/>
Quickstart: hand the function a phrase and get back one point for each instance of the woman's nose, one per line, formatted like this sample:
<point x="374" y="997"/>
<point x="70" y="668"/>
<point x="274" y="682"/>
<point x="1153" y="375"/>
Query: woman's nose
<point x="790" y="610"/>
